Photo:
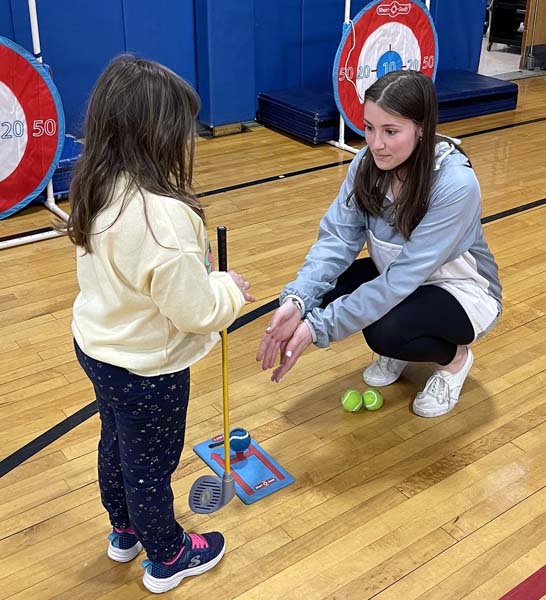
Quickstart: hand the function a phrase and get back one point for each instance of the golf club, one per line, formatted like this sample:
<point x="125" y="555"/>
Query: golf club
<point x="209" y="493"/>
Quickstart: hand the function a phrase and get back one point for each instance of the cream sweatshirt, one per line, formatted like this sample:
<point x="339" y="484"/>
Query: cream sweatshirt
<point x="150" y="308"/>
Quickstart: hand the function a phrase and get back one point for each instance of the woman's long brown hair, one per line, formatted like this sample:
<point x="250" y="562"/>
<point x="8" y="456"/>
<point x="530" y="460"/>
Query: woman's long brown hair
<point x="141" y="123"/>
<point x="409" y="94"/>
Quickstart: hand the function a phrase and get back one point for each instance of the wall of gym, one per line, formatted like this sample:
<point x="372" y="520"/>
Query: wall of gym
<point x="230" y="51"/>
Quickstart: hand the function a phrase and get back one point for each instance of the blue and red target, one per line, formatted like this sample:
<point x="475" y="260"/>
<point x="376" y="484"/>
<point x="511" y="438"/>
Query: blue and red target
<point x="387" y="35"/>
<point x="31" y="127"/>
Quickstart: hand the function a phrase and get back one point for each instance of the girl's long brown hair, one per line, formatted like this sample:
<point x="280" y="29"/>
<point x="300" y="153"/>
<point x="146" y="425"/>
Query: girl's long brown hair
<point x="140" y="122"/>
<point x="409" y="94"/>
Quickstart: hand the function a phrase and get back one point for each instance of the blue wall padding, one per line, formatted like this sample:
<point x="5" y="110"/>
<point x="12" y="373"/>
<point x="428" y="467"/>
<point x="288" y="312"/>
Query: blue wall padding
<point x="278" y="44"/>
<point x="165" y="34"/>
<point x="459" y="24"/>
<point x="322" y="28"/>
<point x="225" y="61"/>
<point x="79" y="38"/>
<point x="6" y="21"/>
<point x="230" y="50"/>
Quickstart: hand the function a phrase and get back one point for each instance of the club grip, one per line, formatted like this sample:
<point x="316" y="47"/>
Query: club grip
<point x="221" y="233"/>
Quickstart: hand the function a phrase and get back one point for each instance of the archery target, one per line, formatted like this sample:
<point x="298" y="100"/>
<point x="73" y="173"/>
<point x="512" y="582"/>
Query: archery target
<point x="383" y="37"/>
<point x="31" y="127"/>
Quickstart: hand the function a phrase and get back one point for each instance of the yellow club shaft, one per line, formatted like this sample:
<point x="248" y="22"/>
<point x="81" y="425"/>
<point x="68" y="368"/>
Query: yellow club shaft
<point x="225" y="397"/>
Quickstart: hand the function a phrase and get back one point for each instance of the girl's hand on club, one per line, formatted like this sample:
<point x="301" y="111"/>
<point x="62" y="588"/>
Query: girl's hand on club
<point x="294" y="349"/>
<point x="279" y="331"/>
<point x="242" y="284"/>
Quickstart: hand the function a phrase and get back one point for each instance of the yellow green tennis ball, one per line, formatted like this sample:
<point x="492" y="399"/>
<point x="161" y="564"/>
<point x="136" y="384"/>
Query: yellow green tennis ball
<point x="351" y="400"/>
<point x="373" y="400"/>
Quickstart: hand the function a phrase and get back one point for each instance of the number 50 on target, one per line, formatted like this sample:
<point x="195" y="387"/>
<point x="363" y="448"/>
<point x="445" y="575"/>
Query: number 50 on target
<point x="31" y="127"/>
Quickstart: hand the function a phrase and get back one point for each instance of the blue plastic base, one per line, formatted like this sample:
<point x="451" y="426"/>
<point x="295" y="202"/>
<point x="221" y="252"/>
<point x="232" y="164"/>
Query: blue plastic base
<point x="255" y="472"/>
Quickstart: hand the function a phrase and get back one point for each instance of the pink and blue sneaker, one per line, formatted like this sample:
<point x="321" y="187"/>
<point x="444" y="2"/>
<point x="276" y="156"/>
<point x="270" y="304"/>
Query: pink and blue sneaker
<point x="199" y="553"/>
<point x="124" y="545"/>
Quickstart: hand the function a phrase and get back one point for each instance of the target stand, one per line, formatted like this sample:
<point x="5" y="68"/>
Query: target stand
<point x="32" y="132"/>
<point x="387" y="35"/>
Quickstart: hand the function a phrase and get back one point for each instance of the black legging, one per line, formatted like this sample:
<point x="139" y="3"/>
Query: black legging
<point x="425" y="327"/>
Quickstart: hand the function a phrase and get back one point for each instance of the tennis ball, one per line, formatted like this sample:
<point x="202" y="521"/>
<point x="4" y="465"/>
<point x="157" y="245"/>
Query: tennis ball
<point x="373" y="400"/>
<point x="239" y="439"/>
<point x="351" y="400"/>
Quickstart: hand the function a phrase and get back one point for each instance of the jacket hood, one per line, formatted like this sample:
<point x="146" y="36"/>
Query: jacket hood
<point x="444" y="148"/>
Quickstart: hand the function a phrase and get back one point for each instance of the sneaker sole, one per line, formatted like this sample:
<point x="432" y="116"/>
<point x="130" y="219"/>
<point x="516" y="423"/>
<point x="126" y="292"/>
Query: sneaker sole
<point x="432" y="413"/>
<point x="380" y="383"/>
<point x="158" y="586"/>
<point x="124" y="556"/>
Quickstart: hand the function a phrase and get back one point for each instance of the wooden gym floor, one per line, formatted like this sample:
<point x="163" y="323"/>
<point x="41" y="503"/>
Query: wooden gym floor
<point x="385" y="505"/>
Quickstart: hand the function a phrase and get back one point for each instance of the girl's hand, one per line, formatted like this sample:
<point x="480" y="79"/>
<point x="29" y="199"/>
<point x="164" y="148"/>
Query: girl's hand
<point x="242" y="284"/>
<point x="281" y="328"/>
<point x="294" y="349"/>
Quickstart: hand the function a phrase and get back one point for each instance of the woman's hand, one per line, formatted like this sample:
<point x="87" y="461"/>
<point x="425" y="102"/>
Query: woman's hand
<point x="294" y="349"/>
<point x="242" y="284"/>
<point x="281" y="328"/>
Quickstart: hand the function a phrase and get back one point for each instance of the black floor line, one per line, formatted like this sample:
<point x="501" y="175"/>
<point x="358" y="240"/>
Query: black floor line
<point x="42" y="441"/>
<point x="14" y="236"/>
<point x="239" y="186"/>
<point x="500" y="128"/>
<point x="514" y="211"/>
<point x="46" y="438"/>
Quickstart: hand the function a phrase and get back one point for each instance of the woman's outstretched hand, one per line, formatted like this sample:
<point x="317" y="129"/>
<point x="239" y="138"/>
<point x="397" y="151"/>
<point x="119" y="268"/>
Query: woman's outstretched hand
<point x="293" y="350"/>
<point x="284" y="323"/>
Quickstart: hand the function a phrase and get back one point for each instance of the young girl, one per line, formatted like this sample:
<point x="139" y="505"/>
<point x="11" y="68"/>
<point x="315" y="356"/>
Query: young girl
<point x="149" y="305"/>
<point x="431" y="285"/>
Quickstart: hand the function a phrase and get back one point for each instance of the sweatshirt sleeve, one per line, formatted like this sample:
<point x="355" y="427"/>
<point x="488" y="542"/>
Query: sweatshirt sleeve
<point x="341" y="236"/>
<point x="194" y="300"/>
<point x="446" y="231"/>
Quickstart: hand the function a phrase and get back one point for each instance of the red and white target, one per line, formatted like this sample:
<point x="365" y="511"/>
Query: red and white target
<point x="387" y="35"/>
<point x="31" y="127"/>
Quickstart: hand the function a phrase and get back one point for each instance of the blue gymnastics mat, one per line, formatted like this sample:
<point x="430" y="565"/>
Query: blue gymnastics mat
<point x="308" y="113"/>
<point x="311" y="113"/>
<point x="462" y="94"/>
<point x="256" y="473"/>
<point x="62" y="176"/>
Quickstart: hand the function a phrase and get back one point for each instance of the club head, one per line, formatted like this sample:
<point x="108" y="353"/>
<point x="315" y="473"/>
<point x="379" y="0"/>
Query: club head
<point x="210" y="493"/>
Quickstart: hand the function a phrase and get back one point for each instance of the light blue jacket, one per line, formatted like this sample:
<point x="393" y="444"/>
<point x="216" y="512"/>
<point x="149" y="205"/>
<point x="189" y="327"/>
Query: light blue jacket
<point x="447" y="249"/>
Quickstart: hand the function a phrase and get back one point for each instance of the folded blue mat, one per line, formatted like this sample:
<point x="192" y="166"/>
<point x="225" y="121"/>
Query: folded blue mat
<point x="311" y="113"/>
<point x="308" y="113"/>
<point x="462" y="94"/>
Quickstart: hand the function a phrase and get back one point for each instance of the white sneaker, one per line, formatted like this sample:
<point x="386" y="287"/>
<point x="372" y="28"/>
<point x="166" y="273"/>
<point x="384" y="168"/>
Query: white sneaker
<point x="384" y="371"/>
<point x="442" y="390"/>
